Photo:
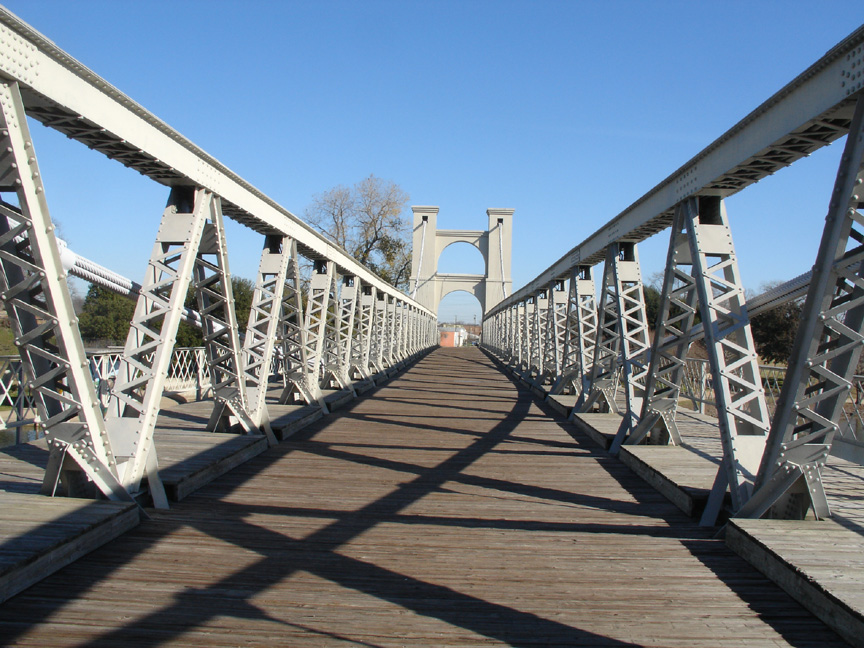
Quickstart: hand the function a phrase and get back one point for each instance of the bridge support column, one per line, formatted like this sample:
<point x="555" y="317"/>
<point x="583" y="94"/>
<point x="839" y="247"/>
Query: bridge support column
<point x="672" y="337"/>
<point x="580" y="334"/>
<point x="215" y="298"/>
<point x="539" y="317"/>
<point x="824" y="356"/>
<point x="347" y="308"/>
<point x="380" y="331"/>
<point x="262" y="330"/>
<point x="362" y="347"/>
<point x="34" y="292"/>
<point x="527" y="337"/>
<point x="297" y="348"/>
<point x="146" y="359"/>
<point x="554" y="330"/>
<point x="622" y="337"/>
<point x="318" y="320"/>
<point x="742" y="412"/>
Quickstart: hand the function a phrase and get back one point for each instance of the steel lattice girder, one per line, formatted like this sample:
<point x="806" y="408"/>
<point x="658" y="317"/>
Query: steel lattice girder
<point x="580" y="334"/>
<point x="34" y="292"/>
<point x="264" y="320"/>
<point x="741" y="408"/>
<point x="825" y="354"/>
<point x="672" y="338"/>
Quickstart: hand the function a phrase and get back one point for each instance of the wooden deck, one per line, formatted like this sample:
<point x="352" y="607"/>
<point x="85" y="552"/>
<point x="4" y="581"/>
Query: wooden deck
<point x="448" y="510"/>
<point x="39" y="535"/>
<point x="817" y="562"/>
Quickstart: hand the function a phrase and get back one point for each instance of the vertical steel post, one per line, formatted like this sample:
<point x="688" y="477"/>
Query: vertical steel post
<point x="34" y="291"/>
<point x="741" y="408"/>
<point x="262" y="330"/>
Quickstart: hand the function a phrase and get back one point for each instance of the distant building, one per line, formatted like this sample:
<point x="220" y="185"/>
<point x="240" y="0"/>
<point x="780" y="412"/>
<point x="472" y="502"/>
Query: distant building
<point x="452" y="336"/>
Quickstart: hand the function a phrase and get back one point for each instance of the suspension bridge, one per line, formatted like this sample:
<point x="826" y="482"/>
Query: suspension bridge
<point x="334" y="477"/>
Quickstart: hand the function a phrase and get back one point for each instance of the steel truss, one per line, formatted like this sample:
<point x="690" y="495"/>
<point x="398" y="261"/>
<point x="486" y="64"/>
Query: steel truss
<point x="526" y="350"/>
<point x="824" y="357"/>
<point x="322" y="288"/>
<point x="262" y="330"/>
<point x="580" y="335"/>
<point x="344" y="321"/>
<point x="538" y="329"/>
<point x="361" y="348"/>
<point x="381" y="332"/>
<point x="34" y="292"/>
<point x="295" y="341"/>
<point x="742" y="412"/>
<point x="672" y="338"/>
<point x="215" y="299"/>
<point x="622" y="337"/>
<point x="552" y="315"/>
<point x="112" y="452"/>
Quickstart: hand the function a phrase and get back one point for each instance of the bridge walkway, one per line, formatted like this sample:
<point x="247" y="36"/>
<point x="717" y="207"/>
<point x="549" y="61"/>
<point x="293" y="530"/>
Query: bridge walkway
<point x="450" y="509"/>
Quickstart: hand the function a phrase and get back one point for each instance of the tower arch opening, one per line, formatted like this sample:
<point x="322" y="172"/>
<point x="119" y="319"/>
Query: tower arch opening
<point x="431" y="280"/>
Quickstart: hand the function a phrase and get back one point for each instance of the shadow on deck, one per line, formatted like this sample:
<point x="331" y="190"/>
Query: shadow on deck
<point x="451" y="509"/>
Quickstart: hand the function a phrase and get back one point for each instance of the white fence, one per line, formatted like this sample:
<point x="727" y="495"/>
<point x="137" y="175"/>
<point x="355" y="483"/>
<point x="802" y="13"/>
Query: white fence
<point x="19" y="420"/>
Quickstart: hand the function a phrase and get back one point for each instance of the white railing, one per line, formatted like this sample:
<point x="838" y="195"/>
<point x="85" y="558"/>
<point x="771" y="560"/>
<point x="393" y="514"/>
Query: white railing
<point x="19" y="421"/>
<point x="849" y="442"/>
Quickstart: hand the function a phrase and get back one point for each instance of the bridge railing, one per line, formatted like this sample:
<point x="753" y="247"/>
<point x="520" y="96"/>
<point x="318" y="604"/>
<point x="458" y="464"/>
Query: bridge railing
<point x="189" y="374"/>
<point x="566" y="334"/>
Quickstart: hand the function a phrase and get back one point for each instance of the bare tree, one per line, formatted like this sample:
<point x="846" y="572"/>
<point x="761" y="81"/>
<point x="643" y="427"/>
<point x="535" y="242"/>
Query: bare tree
<point x="367" y="220"/>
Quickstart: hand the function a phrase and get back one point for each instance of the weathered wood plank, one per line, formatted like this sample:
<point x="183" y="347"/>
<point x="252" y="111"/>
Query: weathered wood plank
<point x="818" y="563"/>
<point x="39" y="535"/>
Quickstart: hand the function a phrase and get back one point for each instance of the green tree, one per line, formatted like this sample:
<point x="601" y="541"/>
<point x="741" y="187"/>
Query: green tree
<point x="243" y="290"/>
<point x="652" y="305"/>
<point x="774" y="331"/>
<point x="105" y="316"/>
<point x="367" y="221"/>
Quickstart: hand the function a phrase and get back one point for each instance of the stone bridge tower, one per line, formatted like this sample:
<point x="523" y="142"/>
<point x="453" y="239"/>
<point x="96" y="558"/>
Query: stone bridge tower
<point x="429" y="287"/>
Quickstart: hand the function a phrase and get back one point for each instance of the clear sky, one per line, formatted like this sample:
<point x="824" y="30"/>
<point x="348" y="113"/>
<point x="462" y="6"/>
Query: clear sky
<point x="565" y="111"/>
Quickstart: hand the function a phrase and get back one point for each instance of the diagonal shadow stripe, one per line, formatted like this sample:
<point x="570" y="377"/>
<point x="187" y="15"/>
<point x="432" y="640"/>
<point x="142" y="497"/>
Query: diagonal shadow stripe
<point x="445" y="604"/>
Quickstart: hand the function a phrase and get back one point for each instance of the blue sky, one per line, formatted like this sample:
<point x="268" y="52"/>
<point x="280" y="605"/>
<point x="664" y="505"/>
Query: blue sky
<point x="565" y="111"/>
